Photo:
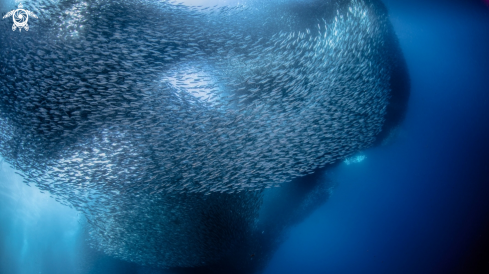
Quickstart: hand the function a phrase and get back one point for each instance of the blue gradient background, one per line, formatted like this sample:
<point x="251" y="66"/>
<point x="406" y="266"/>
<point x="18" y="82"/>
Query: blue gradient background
<point x="419" y="205"/>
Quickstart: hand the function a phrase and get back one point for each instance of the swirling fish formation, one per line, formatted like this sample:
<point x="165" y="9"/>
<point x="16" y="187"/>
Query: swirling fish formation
<point x="165" y="123"/>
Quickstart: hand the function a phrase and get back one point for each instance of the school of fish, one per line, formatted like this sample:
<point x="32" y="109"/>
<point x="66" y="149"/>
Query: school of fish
<point x="165" y="123"/>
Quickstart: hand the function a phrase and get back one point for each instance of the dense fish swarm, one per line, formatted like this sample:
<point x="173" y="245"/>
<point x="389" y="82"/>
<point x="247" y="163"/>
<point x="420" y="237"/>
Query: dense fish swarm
<point x="164" y="123"/>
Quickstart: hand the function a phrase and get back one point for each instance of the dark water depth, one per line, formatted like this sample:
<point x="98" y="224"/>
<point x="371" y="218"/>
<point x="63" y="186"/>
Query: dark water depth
<point x="418" y="204"/>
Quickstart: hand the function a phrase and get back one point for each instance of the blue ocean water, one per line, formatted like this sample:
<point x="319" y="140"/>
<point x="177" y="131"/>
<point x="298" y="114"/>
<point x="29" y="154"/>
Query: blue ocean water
<point x="418" y="205"/>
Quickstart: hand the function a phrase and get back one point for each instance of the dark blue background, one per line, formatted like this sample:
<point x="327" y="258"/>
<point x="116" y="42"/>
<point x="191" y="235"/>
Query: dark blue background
<point x="420" y="205"/>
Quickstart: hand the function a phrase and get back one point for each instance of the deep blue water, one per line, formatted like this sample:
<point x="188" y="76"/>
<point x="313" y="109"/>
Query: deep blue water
<point x="419" y="205"/>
